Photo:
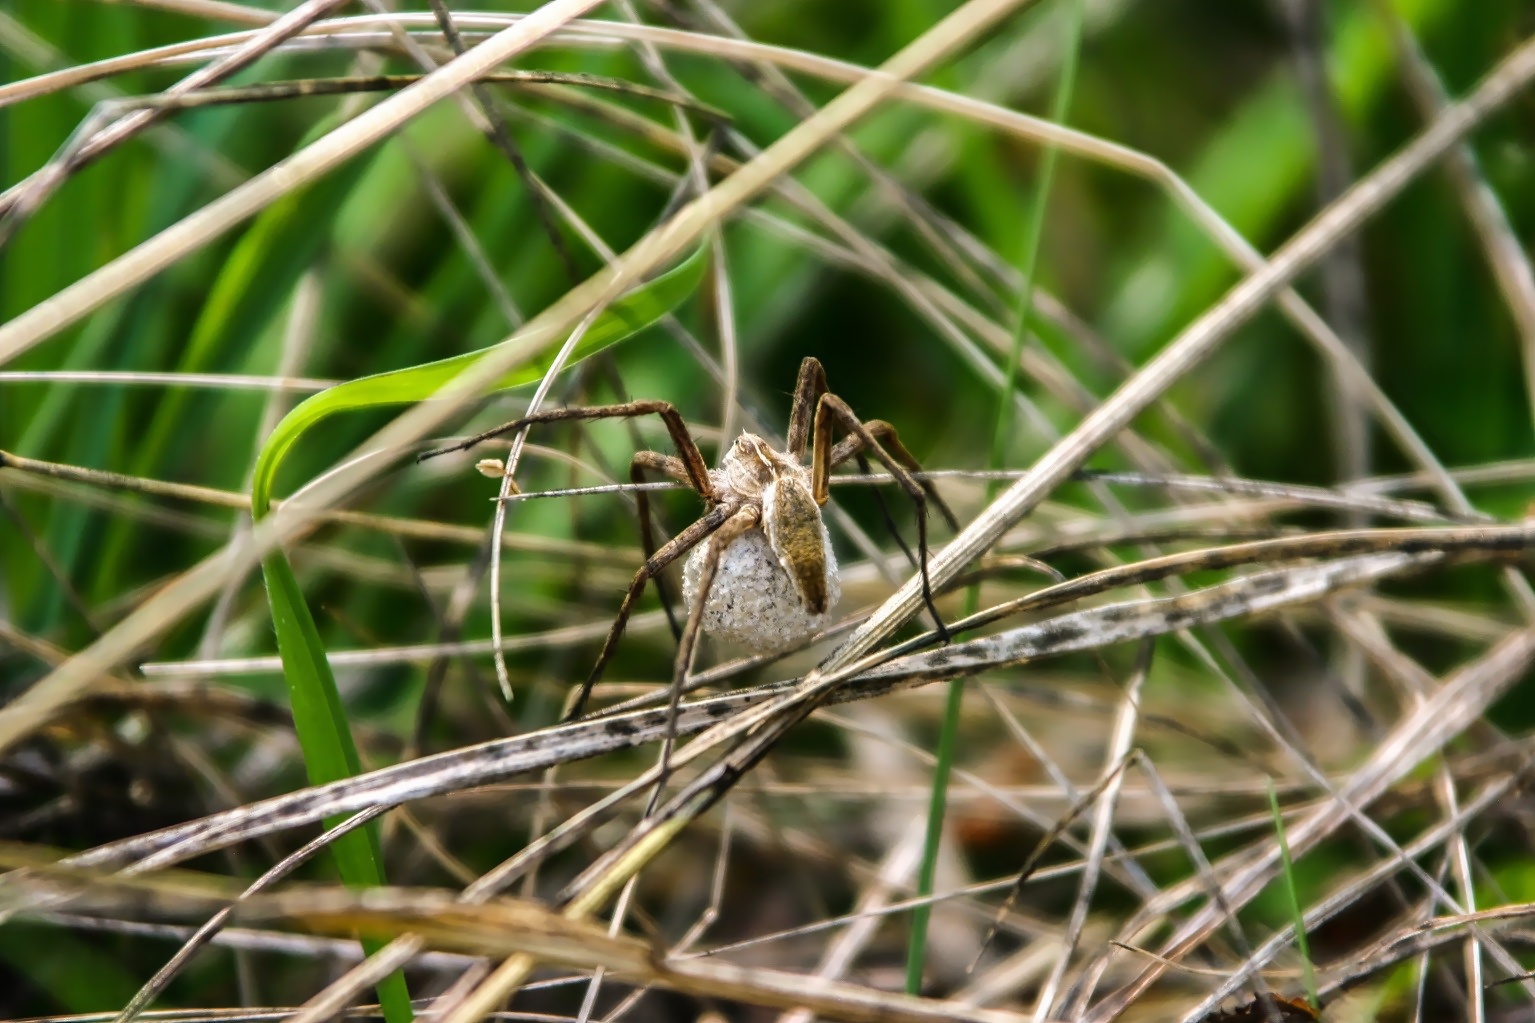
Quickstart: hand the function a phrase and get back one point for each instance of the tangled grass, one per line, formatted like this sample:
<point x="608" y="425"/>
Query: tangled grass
<point x="1226" y="365"/>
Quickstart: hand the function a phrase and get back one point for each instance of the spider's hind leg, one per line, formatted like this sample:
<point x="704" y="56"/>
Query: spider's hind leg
<point x="884" y="511"/>
<point x="882" y="431"/>
<point x="867" y="437"/>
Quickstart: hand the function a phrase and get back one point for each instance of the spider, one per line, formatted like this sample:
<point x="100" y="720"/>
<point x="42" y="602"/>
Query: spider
<point x="762" y="572"/>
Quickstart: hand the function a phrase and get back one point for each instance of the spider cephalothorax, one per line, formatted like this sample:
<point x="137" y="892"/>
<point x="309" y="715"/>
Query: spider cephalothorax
<point x="762" y="573"/>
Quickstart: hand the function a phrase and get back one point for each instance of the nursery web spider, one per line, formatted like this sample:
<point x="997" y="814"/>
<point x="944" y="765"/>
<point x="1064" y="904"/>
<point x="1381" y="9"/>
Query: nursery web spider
<point x="767" y="572"/>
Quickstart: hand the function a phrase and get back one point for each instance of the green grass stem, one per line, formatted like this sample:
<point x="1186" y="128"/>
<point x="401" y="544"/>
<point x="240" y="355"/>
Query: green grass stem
<point x="1308" y="971"/>
<point x="948" y="735"/>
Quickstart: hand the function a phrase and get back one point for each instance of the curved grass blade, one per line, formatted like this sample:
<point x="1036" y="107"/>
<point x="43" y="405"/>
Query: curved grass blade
<point x="319" y="717"/>
<point x="627" y="316"/>
<point x="264" y="92"/>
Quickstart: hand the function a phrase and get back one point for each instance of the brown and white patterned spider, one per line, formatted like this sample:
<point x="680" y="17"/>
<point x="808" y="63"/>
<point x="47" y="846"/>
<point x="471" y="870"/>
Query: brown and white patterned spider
<point x="767" y="576"/>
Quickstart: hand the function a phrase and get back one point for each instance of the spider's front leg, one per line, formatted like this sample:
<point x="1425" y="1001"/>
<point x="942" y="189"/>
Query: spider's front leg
<point x="695" y="470"/>
<point x="854" y="446"/>
<point x="831" y="410"/>
<point x="688" y="467"/>
<point x="736" y="522"/>
<point x="647" y="462"/>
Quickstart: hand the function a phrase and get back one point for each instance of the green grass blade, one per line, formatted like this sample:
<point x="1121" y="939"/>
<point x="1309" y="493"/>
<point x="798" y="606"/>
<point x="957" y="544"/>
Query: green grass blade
<point x="324" y="734"/>
<point x="948" y="736"/>
<point x="326" y="739"/>
<point x="1288" y="869"/>
<point x="627" y="316"/>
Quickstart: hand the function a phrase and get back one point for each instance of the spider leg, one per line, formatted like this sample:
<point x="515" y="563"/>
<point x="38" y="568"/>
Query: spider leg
<point x="673" y="549"/>
<point x="831" y="408"/>
<point x="654" y="461"/>
<point x="884" y="511"/>
<point x="849" y="447"/>
<point x="807" y="392"/>
<point x="695" y="469"/>
<point x="739" y="522"/>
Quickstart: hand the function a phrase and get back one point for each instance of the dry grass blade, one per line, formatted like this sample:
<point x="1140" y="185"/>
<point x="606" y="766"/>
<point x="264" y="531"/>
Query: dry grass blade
<point x="1345" y="894"/>
<point x="498" y="927"/>
<point x="457" y="769"/>
<point x="20" y="201"/>
<point x="204" y="934"/>
<point x="1460" y="700"/>
<point x="1120" y="754"/>
<point x="505" y="926"/>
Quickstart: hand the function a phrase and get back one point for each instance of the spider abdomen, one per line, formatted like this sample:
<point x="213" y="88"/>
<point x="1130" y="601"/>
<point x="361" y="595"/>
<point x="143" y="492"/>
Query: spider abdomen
<point x="753" y="601"/>
<point x="792" y="521"/>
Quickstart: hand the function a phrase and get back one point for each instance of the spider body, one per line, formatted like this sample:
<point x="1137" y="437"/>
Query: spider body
<point x="762" y="572"/>
<point x="774" y="584"/>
